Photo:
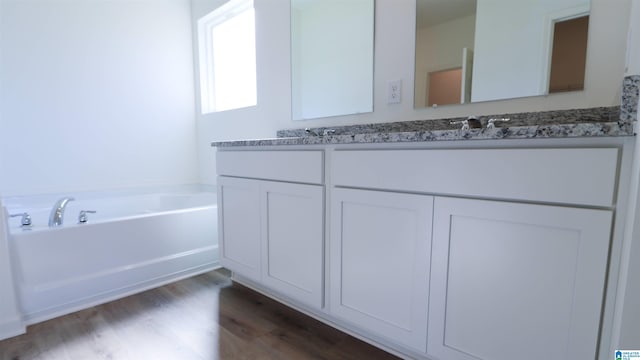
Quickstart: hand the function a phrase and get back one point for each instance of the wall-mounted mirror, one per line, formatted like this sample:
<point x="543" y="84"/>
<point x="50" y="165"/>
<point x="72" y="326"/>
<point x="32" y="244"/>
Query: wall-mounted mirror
<point x="331" y="57"/>
<point x="482" y="50"/>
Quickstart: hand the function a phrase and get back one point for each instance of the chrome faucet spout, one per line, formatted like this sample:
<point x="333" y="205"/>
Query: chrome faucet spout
<point x="56" y="218"/>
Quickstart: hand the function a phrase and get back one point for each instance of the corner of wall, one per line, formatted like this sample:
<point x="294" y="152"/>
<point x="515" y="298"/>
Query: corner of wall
<point x="10" y="317"/>
<point x="628" y="315"/>
<point x="627" y="331"/>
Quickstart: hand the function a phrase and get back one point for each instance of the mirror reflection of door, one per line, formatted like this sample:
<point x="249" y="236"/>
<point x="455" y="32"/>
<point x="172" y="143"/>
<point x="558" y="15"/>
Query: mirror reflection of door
<point x="444" y="87"/>
<point x="513" y="43"/>
<point x="569" y="55"/>
<point x="451" y="86"/>
<point x="444" y="28"/>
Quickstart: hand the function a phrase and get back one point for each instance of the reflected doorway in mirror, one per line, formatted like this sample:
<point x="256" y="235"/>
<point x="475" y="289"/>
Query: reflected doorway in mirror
<point x="569" y="55"/>
<point x="512" y="44"/>
<point x="444" y="87"/>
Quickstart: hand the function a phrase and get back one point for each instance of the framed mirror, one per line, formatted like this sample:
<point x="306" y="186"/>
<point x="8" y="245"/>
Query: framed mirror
<point x="331" y="57"/>
<point x="483" y="50"/>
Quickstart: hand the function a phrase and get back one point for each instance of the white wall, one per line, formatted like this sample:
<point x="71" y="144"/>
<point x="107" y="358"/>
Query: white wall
<point x="433" y="53"/>
<point x="394" y="59"/>
<point x="628" y="335"/>
<point x="10" y="317"/>
<point x="95" y="95"/>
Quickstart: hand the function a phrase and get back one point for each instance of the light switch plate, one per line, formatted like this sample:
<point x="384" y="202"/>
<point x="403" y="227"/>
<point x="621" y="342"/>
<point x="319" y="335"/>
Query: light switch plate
<point x="394" y="92"/>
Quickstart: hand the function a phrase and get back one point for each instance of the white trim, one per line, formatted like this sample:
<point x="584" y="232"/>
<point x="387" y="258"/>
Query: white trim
<point x="624" y="301"/>
<point x="12" y="327"/>
<point x="11" y="323"/>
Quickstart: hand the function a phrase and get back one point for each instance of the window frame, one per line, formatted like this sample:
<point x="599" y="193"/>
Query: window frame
<point x="206" y="46"/>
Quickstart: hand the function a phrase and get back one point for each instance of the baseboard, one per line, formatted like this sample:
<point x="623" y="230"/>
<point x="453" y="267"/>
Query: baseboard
<point x="12" y="327"/>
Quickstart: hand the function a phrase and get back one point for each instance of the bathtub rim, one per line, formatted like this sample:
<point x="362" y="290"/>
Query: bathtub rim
<point x="18" y="230"/>
<point x="41" y="204"/>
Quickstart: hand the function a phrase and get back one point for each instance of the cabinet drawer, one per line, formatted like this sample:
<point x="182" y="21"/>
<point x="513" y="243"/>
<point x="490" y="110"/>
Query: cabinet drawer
<point x="571" y="176"/>
<point x="294" y="166"/>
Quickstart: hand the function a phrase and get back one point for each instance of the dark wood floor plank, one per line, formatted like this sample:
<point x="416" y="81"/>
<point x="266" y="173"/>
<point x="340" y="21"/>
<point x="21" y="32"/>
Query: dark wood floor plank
<point x="153" y="334"/>
<point x="19" y="348"/>
<point x="206" y="317"/>
<point x="86" y="335"/>
<point x="49" y="342"/>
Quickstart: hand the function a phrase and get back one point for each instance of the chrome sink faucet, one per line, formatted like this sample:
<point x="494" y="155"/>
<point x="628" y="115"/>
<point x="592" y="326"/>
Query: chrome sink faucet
<point x="491" y="123"/>
<point x="325" y="132"/>
<point x="57" y="212"/>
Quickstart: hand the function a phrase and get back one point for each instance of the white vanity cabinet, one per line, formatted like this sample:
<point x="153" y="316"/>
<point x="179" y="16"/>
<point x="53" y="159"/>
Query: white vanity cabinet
<point x="239" y="229"/>
<point x="380" y="253"/>
<point x="271" y="224"/>
<point x="520" y="275"/>
<point x="510" y="278"/>
<point x="436" y="253"/>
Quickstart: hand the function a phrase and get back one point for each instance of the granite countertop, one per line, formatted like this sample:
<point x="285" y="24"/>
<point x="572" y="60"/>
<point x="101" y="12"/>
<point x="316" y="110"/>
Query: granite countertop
<point x="592" y="122"/>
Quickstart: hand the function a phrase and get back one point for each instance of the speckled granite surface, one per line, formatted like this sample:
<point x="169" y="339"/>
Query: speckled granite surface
<point x="592" y="115"/>
<point x="593" y="122"/>
<point x="630" y="95"/>
<point x="516" y="132"/>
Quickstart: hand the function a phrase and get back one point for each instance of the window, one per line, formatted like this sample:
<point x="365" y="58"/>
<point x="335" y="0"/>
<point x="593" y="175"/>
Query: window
<point x="227" y="48"/>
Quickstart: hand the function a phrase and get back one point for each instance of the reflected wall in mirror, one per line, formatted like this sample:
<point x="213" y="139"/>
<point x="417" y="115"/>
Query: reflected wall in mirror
<point x="331" y="57"/>
<point x="482" y="50"/>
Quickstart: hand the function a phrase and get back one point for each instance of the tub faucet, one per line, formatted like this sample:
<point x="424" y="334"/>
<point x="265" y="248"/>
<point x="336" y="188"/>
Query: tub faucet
<point x="57" y="212"/>
<point x="25" y="219"/>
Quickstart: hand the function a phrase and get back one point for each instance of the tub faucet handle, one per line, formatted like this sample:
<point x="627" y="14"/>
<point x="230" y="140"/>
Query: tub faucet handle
<point x="82" y="217"/>
<point x="25" y="219"/>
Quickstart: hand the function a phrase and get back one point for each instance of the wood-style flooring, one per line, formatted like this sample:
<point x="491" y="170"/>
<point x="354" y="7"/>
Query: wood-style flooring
<point x="204" y="317"/>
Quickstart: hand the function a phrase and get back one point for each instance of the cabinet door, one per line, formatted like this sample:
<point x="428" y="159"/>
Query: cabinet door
<point x="516" y="280"/>
<point x="293" y="233"/>
<point x="239" y="226"/>
<point x="380" y="251"/>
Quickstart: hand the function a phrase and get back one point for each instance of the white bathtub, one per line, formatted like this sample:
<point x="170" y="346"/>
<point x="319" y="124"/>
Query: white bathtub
<point x="131" y="244"/>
